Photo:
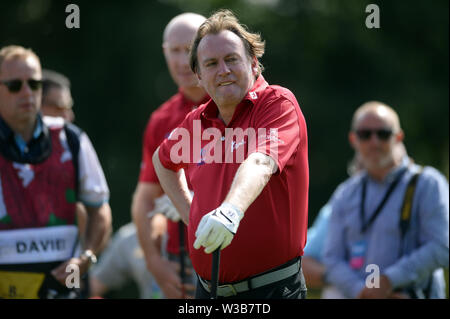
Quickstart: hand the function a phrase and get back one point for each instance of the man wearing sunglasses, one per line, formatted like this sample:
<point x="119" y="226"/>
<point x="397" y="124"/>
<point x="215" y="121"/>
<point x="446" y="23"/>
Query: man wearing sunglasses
<point x="388" y="234"/>
<point x="45" y="166"/>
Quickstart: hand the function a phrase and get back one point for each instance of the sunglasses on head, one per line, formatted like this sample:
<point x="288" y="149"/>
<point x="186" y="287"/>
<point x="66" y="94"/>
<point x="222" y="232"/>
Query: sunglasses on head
<point x="366" y="134"/>
<point x="15" y="86"/>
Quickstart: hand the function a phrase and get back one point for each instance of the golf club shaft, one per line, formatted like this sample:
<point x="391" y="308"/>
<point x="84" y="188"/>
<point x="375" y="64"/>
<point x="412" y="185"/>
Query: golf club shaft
<point x="182" y="254"/>
<point x="215" y="273"/>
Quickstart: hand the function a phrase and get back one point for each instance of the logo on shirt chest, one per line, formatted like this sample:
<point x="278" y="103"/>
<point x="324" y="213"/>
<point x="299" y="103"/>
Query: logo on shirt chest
<point x="203" y="152"/>
<point x="235" y="145"/>
<point x="210" y="145"/>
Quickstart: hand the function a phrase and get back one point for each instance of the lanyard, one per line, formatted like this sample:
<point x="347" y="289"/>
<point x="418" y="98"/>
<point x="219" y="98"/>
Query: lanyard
<point x="365" y="226"/>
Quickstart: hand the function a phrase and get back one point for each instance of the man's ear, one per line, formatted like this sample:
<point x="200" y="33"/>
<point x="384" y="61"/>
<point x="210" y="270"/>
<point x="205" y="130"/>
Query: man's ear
<point x="352" y="139"/>
<point x="254" y="66"/>
<point x="399" y="136"/>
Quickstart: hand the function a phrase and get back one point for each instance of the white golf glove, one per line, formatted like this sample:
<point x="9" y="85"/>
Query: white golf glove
<point x="217" y="228"/>
<point x="164" y="205"/>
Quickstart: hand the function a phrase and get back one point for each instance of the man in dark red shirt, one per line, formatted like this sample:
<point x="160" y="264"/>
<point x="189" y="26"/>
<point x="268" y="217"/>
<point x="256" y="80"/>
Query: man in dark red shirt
<point x="46" y="166"/>
<point x="244" y="151"/>
<point x="176" y="41"/>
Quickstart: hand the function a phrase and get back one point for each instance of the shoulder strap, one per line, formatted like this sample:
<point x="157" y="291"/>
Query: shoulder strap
<point x="73" y="134"/>
<point x="407" y="203"/>
<point x="404" y="224"/>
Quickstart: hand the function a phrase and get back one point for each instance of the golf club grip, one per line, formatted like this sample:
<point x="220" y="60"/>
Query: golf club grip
<point x="215" y="273"/>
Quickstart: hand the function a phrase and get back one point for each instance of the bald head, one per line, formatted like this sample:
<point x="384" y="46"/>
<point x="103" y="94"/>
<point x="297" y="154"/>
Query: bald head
<point x="177" y="39"/>
<point x="379" y="110"/>
<point x="183" y="22"/>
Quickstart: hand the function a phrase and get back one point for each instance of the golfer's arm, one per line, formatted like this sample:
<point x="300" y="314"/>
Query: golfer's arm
<point x="175" y="186"/>
<point x="250" y="179"/>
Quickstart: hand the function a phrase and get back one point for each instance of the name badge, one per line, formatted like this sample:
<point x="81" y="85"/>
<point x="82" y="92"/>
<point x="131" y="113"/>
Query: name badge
<point x="37" y="245"/>
<point x="357" y="254"/>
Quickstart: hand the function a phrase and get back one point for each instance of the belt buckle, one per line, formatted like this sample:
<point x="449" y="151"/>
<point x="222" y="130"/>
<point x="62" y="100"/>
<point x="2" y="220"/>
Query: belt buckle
<point x="226" y="290"/>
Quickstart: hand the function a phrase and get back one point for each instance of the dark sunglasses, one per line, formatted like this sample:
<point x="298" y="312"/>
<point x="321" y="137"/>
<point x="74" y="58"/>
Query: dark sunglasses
<point x="382" y="134"/>
<point x="15" y="86"/>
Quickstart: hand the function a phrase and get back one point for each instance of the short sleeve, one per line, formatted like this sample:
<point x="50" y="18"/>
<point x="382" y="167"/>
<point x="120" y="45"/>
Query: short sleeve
<point x="150" y="143"/>
<point x="278" y="132"/>
<point x="94" y="190"/>
<point x="175" y="150"/>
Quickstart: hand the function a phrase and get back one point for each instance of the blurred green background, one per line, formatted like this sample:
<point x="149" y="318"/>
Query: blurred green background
<point x="319" y="49"/>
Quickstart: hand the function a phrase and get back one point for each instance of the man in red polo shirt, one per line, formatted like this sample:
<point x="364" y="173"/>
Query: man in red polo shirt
<point x="177" y="38"/>
<point x="245" y="155"/>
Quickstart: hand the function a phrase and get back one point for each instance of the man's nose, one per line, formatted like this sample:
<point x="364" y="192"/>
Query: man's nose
<point x="374" y="139"/>
<point x="184" y="58"/>
<point x="25" y="89"/>
<point x="223" y="68"/>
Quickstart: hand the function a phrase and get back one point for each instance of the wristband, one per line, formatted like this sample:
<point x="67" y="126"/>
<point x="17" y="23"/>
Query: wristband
<point x="89" y="255"/>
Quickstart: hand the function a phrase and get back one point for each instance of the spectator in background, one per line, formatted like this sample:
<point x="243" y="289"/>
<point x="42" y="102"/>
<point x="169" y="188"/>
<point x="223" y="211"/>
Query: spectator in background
<point x="56" y="96"/>
<point x="393" y="215"/>
<point x="177" y="39"/>
<point x="313" y="267"/>
<point x="48" y="164"/>
<point x="123" y="261"/>
<point x="57" y="102"/>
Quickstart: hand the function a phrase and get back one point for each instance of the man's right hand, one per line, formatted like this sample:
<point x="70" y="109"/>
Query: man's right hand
<point x="217" y="228"/>
<point x="166" y="274"/>
<point x="188" y="289"/>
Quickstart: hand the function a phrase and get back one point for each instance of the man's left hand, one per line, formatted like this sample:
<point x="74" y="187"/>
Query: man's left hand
<point x="61" y="274"/>
<point x="164" y="205"/>
<point x="217" y="228"/>
<point x="384" y="291"/>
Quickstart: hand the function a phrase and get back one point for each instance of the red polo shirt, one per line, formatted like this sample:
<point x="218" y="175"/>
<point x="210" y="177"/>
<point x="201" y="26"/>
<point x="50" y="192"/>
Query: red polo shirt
<point x="273" y="230"/>
<point x="162" y="121"/>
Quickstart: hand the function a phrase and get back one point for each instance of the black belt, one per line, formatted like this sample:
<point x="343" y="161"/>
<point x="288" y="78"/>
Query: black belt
<point x="227" y="290"/>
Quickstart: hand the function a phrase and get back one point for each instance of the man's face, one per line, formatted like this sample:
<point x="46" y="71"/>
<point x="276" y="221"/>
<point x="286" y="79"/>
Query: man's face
<point x="176" y="51"/>
<point x="20" y="107"/>
<point x="224" y="68"/>
<point x="58" y="102"/>
<point x="374" y="138"/>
